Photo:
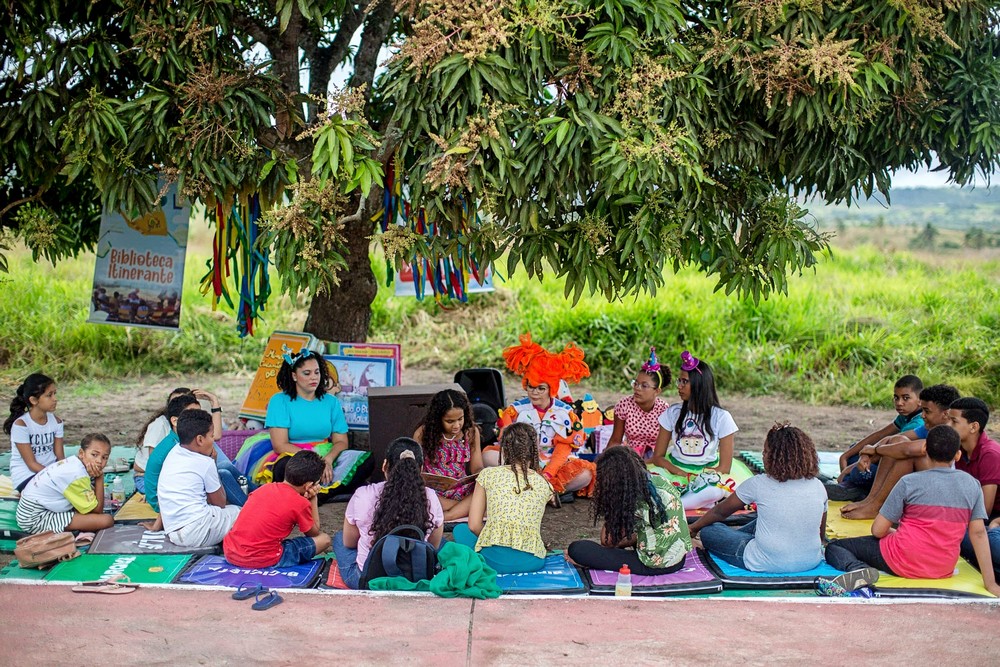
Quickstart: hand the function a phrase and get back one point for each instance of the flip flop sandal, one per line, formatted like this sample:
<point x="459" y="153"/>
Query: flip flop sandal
<point x="272" y="599"/>
<point x="112" y="586"/>
<point x="248" y="590"/>
<point x="85" y="538"/>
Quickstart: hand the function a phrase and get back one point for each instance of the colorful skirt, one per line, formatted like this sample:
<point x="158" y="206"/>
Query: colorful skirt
<point x="257" y="457"/>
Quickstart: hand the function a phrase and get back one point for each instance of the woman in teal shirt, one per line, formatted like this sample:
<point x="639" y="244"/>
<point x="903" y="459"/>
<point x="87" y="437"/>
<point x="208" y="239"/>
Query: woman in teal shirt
<point x="304" y="416"/>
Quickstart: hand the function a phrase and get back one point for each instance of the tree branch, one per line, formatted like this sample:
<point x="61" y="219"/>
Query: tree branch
<point x="377" y="28"/>
<point x="260" y="32"/>
<point x="323" y="60"/>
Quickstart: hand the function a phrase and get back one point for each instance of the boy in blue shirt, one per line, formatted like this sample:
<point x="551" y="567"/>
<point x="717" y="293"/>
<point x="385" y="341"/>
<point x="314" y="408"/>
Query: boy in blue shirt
<point x="854" y="484"/>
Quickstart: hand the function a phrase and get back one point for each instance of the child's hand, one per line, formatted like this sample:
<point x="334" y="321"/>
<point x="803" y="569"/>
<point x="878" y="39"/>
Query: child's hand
<point x="864" y="462"/>
<point x="203" y="395"/>
<point x="311" y="491"/>
<point x="94" y="469"/>
<point x="995" y="523"/>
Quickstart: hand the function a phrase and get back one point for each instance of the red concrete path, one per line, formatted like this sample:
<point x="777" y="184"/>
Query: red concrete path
<point x="155" y="626"/>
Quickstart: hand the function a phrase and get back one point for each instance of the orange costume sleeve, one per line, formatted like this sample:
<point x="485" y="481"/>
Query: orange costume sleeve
<point x="561" y="469"/>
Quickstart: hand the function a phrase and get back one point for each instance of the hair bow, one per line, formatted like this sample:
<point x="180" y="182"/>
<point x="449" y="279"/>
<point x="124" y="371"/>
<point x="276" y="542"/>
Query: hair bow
<point x="290" y="357"/>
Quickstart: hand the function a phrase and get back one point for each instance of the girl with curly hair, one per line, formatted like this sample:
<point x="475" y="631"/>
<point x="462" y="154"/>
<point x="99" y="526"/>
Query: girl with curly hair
<point x="513" y="495"/>
<point x="376" y="509"/>
<point x="450" y="439"/>
<point x="644" y="525"/>
<point x="788" y="533"/>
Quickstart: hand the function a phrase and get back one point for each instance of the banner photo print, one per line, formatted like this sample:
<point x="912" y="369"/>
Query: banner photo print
<point x="139" y="273"/>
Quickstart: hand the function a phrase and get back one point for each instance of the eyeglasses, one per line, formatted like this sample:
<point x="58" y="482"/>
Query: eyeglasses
<point x="540" y="388"/>
<point x="642" y="385"/>
<point x="683" y="382"/>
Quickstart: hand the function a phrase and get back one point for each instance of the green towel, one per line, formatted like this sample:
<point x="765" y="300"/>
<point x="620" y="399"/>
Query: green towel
<point x="463" y="573"/>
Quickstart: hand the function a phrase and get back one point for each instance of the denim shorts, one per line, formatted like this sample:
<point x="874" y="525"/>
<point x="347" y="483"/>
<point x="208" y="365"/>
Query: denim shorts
<point x="296" y="551"/>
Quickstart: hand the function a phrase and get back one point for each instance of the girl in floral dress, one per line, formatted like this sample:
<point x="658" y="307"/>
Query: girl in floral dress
<point x="450" y="439"/>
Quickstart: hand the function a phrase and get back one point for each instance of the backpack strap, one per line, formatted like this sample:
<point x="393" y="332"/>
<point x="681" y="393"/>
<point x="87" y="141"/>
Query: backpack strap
<point x="390" y="548"/>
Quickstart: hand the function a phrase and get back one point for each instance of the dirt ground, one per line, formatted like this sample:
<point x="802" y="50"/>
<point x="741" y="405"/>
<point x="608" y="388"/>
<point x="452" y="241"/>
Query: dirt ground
<point x="119" y="409"/>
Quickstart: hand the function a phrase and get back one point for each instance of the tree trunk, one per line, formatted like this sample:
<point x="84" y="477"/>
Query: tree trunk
<point x="345" y="314"/>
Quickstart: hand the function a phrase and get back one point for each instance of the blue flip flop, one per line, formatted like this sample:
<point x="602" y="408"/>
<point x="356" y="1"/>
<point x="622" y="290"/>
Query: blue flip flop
<point x="272" y="599"/>
<point x="247" y="590"/>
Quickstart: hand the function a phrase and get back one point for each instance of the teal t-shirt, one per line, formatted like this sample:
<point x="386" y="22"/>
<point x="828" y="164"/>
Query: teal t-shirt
<point x="306" y="421"/>
<point x="155" y="464"/>
<point x="909" y="422"/>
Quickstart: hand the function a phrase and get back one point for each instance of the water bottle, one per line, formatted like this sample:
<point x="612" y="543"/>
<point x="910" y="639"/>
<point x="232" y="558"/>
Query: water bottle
<point x="118" y="492"/>
<point x="623" y="587"/>
<point x="107" y="495"/>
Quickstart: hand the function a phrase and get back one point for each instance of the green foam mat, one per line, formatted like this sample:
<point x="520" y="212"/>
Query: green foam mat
<point x="140" y="569"/>
<point x="8" y="521"/>
<point x="5" y="464"/>
<point x="15" y="571"/>
<point x="7" y="546"/>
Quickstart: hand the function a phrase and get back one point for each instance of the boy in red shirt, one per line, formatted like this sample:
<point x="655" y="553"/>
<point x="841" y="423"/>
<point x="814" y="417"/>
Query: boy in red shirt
<point x="259" y="538"/>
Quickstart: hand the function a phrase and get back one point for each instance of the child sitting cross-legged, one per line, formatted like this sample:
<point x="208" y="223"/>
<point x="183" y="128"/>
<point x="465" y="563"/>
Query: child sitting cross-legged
<point x="791" y="503"/>
<point x="931" y="509"/>
<point x="644" y="524"/>
<point x="260" y="536"/>
<point x="376" y="510"/>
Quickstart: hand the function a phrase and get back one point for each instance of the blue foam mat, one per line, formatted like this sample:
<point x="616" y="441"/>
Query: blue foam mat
<point x="216" y="571"/>
<point x="557" y="577"/>
<point x="737" y="578"/>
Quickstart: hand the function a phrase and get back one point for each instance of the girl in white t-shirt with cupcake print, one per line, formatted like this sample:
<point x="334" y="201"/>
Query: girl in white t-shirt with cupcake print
<point x="696" y="436"/>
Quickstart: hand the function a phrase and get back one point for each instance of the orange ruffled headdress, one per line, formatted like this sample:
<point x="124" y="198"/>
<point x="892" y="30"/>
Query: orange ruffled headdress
<point x="536" y="365"/>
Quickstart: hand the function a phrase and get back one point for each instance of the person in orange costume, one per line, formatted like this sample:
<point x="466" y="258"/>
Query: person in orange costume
<point x="560" y="433"/>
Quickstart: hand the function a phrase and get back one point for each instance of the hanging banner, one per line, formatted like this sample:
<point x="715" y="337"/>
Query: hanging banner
<point x="139" y="274"/>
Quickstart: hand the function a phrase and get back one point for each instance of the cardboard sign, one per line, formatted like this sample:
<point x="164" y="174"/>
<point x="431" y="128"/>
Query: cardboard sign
<point x="355" y="376"/>
<point x="265" y="381"/>
<point x="391" y="351"/>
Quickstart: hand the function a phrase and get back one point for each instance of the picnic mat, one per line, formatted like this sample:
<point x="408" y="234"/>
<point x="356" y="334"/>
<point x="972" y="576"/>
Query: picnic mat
<point x="694" y="578"/>
<point x="134" y="510"/>
<point x="216" y="571"/>
<point x="134" y="539"/>
<point x="13" y="570"/>
<point x="557" y="577"/>
<point x="966" y="583"/>
<point x="837" y="527"/>
<point x="737" y="578"/>
<point x="139" y="568"/>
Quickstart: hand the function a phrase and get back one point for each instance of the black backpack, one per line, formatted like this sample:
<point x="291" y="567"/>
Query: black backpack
<point x="399" y="555"/>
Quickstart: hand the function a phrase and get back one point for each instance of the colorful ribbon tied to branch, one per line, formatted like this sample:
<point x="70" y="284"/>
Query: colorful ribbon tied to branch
<point x="447" y="273"/>
<point x="237" y="264"/>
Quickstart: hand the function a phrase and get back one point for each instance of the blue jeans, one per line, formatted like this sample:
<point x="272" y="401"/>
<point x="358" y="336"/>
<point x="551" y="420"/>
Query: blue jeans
<point x="140" y="483"/>
<point x="347" y="561"/>
<point x="297" y="551"/>
<point x="993" y="537"/>
<point x="859" y="479"/>
<point x="229" y="475"/>
<point x="728" y="543"/>
<point x="504" y="560"/>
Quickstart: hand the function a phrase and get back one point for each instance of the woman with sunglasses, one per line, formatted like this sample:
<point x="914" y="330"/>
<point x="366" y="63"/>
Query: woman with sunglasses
<point x="637" y="416"/>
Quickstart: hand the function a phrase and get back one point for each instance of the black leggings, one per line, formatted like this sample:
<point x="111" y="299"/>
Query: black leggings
<point x="590" y="554"/>
<point x="854" y="553"/>
<point x="360" y="478"/>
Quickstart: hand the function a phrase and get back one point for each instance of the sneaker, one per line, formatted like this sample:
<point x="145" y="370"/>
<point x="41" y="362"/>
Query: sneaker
<point x="845" y="584"/>
<point x="841" y="492"/>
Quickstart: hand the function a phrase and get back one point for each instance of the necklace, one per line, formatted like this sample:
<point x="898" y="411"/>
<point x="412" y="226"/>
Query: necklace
<point x="447" y="439"/>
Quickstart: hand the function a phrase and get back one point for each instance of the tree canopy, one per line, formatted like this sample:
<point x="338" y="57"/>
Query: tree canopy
<point x="602" y="140"/>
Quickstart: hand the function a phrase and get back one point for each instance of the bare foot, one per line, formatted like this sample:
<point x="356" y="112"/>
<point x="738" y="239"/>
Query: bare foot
<point x="696" y="543"/>
<point x="865" y="511"/>
<point x="850" y="507"/>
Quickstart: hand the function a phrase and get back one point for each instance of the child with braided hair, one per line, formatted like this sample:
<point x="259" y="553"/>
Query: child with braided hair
<point x="644" y="525"/>
<point x="560" y="433"/>
<point x="513" y="495"/>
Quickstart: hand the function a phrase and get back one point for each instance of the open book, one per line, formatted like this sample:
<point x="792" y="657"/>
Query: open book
<point x="442" y="483"/>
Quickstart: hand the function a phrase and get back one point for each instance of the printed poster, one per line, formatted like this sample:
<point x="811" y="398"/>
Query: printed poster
<point x="265" y="381"/>
<point x="391" y="351"/>
<point x="356" y="375"/>
<point x="139" y="273"/>
<point x="406" y="287"/>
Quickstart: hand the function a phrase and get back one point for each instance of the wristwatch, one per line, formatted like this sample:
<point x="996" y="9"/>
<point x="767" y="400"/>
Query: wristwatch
<point x="218" y="409"/>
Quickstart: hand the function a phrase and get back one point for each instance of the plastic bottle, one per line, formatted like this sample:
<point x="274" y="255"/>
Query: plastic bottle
<point x="118" y="491"/>
<point x="623" y="587"/>
<point x="107" y="495"/>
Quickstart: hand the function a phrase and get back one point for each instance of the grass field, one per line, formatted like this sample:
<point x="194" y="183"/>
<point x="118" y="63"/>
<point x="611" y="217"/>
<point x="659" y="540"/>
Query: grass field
<point x="842" y="335"/>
